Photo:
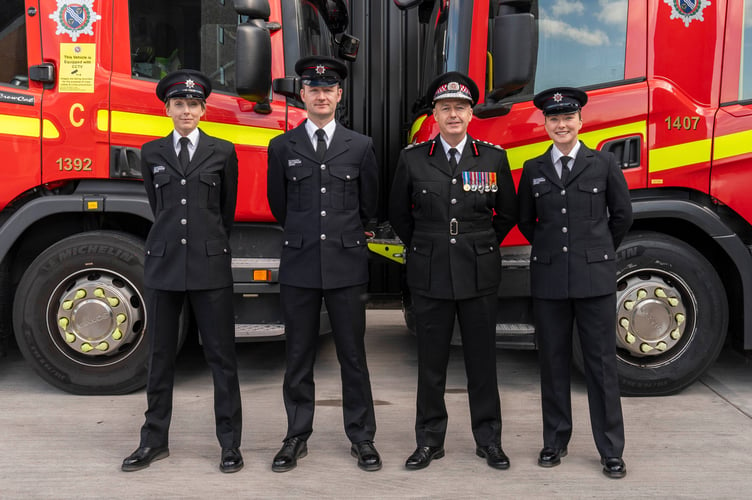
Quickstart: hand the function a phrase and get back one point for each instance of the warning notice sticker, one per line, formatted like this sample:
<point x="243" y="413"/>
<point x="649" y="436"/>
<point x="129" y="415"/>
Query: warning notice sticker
<point x="77" y="67"/>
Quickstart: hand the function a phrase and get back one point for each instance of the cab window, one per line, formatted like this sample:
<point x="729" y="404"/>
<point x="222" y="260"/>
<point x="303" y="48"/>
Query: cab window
<point x="167" y="35"/>
<point x="13" y="62"/>
<point x="745" y="71"/>
<point x="580" y="43"/>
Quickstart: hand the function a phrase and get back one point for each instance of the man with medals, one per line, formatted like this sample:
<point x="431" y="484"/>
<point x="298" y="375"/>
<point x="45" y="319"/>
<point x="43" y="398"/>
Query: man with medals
<point x="444" y="207"/>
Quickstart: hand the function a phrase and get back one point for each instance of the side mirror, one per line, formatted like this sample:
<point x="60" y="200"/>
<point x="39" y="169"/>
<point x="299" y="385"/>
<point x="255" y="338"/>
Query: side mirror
<point x="253" y="51"/>
<point x="288" y="86"/>
<point x="515" y="53"/>
<point x="254" y="9"/>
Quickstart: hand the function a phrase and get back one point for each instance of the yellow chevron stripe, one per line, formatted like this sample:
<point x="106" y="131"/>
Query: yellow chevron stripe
<point x="143" y="124"/>
<point x="19" y="125"/>
<point x="730" y="145"/>
<point x="49" y="130"/>
<point x="680" y="155"/>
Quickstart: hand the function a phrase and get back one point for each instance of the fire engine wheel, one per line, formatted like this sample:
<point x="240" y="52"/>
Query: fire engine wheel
<point x="79" y="314"/>
<point x="672" y="315"/>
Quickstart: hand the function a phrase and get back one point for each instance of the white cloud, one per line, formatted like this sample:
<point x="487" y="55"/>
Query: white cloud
<point x="613" y="12"/>
<point x="560" y="29"/>
<point x="564" y="7"/>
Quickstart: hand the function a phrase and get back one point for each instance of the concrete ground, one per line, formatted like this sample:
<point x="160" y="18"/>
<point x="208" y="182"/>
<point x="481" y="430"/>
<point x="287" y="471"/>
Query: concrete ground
<point x="697" y="444"/>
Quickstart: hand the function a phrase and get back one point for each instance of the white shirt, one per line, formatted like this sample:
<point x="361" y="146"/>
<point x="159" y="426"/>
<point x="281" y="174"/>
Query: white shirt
<point x="459" y="147"/>
<point x="556" y="157"/>
<point x="192" y="145"/>
<point x="329" y="128"/>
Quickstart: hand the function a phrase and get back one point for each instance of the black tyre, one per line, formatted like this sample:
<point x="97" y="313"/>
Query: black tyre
<point x="79" y="315"/>
<point x="672" y="315"/>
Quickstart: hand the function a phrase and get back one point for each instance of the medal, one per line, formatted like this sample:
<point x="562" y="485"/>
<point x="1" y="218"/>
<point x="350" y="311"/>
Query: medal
<point x="494" y="187"/>
<point x="474" y="181"/>
<point x="487" y="181"/>
<point x="466" y="180"/>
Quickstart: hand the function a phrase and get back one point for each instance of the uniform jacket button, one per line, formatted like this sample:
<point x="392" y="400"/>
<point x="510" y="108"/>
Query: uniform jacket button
<point x="323" y="237"/>
<point x="564" y="249"/>
<point x="323" y="190"/>
<point x="182" y="182"/>
<point x="453" y="241"/>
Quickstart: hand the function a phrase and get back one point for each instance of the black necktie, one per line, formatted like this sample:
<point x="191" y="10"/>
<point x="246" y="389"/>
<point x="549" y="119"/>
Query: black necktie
<point x="453" y="159"/>
<point x="565" y="169"/>
<point x="184" y="158"/>
<point x="321" y="144"/>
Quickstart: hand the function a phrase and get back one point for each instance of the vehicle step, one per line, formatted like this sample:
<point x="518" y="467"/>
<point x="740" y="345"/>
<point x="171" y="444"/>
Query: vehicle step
<point x="259" y="330"/>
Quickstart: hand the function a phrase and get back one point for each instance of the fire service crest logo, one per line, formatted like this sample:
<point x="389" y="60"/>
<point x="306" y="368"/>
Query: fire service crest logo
<point x="75" y="18"/>
<point x="687" y="10"/>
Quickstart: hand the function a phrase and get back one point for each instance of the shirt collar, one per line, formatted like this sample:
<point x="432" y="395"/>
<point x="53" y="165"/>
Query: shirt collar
<point x="193" y="137"/>
<point x="459" y="147"/>
<point x="329" y="128"/>
<point x="556" y="154"/>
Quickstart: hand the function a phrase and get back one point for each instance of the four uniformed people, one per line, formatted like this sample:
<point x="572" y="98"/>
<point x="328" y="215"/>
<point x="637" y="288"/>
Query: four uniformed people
<point x="191" y="181"/>
<point x="575" y="209"/>
<point x="452" y="203"/>
<point x="322" y="188"/>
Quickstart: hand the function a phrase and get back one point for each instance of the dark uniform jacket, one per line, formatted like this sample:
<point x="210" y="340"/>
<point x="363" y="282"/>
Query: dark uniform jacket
<point x="446" y="259"/>
<point x="323" y="207"/>
<point x="188" y="246"/>
<point x="574" y="229"/>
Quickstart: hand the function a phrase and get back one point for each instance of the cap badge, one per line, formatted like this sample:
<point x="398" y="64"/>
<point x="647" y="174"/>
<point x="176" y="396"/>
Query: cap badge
<point x="558" y="97"/>
<point x="320" y="69"/>
<point x="190" y="83"/>
<point x="453" y="86"/>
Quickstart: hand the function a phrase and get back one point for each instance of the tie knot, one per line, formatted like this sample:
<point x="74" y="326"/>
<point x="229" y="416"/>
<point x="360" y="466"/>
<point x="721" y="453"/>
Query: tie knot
<point x="321" y="134"/>
<point x="565" y="161"/>
<point x="453" y="152"/>
<point x="184" y="141"/>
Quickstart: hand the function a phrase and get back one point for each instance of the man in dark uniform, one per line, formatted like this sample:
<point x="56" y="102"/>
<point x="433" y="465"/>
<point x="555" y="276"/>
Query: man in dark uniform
<point x="322" y="188"/>
<point x="191" y="181"/>
<point x="575" y="209"/>
<point x="452" y="203"/>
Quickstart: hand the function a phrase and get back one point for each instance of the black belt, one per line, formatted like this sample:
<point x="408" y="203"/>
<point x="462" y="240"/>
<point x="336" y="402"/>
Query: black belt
<point x="454" y="226"/>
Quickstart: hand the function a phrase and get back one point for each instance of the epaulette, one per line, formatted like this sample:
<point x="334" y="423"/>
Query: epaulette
<point x="416" y="144"/>
<point x="488" y="144"/>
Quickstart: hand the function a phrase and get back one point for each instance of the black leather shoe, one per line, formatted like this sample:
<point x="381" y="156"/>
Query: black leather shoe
<point x="614" y="467"/>
<point x="551" y="457"/>
<point x="422" y="456"/>
<point x="287" y="457"/>
<point x="231" y="461"/>
<point x="143" y="457"/>
<point x="368" y="457"/>
<point x="494" y="455"/>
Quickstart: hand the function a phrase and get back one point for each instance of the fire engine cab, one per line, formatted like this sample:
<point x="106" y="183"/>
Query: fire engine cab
<point x="670" y="94"/>
<point x="77" y="101"/>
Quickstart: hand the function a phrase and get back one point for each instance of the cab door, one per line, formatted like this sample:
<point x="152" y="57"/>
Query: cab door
<point x="731" y="173"/>
<point x="20" y="98"/>
<point x="76" y="38"/>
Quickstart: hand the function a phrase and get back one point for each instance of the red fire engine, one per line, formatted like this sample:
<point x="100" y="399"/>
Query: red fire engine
<point x="668" y="96"/>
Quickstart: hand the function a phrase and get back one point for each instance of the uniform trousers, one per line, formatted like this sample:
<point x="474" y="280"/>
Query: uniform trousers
<point x="213" y="312"/>
<point x="301" y="309"/>
<point x="434" y="325"/>
<point x="595" y="317"/>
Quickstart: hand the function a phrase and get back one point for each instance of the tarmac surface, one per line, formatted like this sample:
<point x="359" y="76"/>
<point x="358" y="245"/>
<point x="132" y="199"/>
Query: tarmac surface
<point x="697" y="444"/>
